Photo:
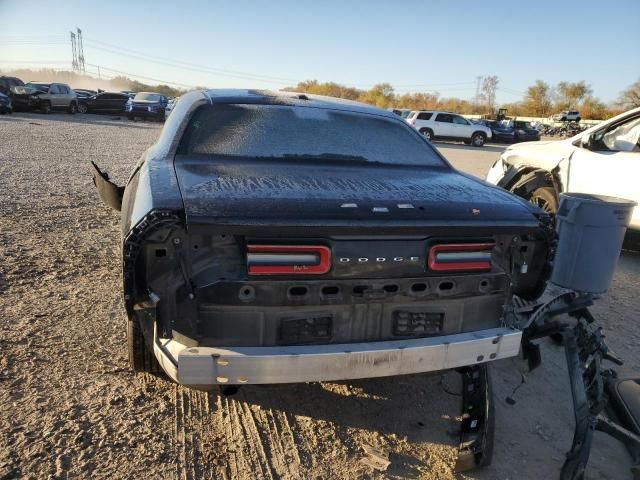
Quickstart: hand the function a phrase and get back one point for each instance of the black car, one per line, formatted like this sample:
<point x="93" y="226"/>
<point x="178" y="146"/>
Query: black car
<point x="5" y="104"/>
<point x="499" y="131"/>
<point x="274" y="237"/>
<point x="7" y="84"/>
<point x="106" y="102"/>
<point x="147" y="105"/>
<point x="84" y="93"/>
<point x="524" y="131"/>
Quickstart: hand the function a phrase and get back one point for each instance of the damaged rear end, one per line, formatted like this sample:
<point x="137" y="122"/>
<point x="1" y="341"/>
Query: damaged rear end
<point x="282" y="267"/>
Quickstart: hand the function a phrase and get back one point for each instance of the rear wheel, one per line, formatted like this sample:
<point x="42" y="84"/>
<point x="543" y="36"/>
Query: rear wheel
<point x="428" y="133"/>
<point x="45" y="106"/>
<point x="82" y="108"/>
<point x="141" y="357"/>
<point x="478" y="139"/>
<point x="73" y="108"/>
<point x="545" y="199"/>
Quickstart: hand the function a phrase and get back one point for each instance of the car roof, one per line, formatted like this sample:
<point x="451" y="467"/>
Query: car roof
<point x="270" y="97"/>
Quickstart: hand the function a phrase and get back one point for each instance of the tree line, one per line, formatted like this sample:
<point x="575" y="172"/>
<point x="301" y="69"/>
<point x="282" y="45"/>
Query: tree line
<point x="540" y="99"/>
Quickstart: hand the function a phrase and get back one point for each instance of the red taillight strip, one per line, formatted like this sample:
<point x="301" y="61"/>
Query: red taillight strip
<point x="439" y="266"/>
<point x="323" y="265"/>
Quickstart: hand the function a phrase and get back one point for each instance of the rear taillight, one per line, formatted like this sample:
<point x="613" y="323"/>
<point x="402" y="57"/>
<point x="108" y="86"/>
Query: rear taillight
<point x="288" y="259"/>
<point x="458" y="257"/>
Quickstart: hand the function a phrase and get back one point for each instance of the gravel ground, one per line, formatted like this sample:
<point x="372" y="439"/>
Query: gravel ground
<point x="73" y="410"/>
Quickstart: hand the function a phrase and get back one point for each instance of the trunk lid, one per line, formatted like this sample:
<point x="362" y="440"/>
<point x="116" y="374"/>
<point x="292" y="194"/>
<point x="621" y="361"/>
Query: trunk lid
<point x="276" y="192"/>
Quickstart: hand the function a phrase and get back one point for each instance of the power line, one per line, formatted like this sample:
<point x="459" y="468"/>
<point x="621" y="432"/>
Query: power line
<point x="140" y="76"/>
<point x="185" y="65"/>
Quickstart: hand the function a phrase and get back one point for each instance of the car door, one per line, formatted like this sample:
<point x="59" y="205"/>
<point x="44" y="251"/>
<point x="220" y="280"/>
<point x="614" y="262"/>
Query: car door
<point x="118" y="102"/>
<point x="611" y="164"/>
<point x="461" y="127"/>
<point x="107" y="102"/>
<point x="443" y="125"/>
<point x="54" y="95"/>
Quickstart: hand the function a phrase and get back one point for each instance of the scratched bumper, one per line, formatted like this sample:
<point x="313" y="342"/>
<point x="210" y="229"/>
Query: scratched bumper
<point x="201" y="366"/>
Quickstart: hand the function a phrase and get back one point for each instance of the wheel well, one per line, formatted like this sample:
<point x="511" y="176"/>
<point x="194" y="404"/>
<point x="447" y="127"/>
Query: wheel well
<point x="425" y="129"/>
<point x="529" y="180"/>
<point x="480" y="132"/>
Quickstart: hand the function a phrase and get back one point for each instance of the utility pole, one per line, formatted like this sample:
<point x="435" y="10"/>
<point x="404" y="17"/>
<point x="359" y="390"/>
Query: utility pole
<point x="74" y="61"/>
<point x="80" y="52"/>
<point x="478" y="80"/>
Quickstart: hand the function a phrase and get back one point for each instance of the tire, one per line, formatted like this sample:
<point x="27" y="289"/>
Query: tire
<point x="141" y="357"/>
<point x="428" y="134"/>
<point x="83" y="108"/>
<point x="130" y="117"/>
<point x="578" y="120"/>
<point x="45" y="107"/>
<point x="478" y="139"/>
<point x="545" y="198"/>
<point x="73" y="108"/>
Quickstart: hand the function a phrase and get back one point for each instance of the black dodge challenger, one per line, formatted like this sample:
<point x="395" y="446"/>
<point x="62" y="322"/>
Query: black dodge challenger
<point x="272" y="237"/>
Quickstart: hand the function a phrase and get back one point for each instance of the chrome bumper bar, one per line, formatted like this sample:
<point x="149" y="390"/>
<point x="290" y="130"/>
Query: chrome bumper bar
<point x="201" y="366"/>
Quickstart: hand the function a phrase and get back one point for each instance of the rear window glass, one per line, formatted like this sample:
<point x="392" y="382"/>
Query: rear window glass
<point x="281" y="131"/>
<point x="424" y="115"/>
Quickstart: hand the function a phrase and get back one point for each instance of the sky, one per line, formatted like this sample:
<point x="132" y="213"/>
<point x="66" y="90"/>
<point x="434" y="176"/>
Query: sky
<point x="427" y="46"/>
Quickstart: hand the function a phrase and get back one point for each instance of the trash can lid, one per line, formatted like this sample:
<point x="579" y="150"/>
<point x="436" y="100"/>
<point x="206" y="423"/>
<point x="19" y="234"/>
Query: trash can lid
<point x="595" y="198"/>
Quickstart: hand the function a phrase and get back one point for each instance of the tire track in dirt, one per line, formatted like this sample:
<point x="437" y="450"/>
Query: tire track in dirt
<point x="191" y="410"/>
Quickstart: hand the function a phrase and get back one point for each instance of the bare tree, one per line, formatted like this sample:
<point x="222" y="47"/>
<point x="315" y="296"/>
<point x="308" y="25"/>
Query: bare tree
<point x="489" y="87"/>
<point x="630" y="98"/>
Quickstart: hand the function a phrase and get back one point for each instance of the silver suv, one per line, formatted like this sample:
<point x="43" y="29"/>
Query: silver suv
<point x="45" y="97"/>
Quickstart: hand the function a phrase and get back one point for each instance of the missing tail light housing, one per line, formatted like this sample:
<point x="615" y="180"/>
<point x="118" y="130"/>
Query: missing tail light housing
<point x="288" y="259"/>
<point x="460" y="257"/>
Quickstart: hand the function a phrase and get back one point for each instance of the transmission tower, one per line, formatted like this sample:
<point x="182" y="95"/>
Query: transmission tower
<point x="81" y="65"/>
<point x="74" y="52"/>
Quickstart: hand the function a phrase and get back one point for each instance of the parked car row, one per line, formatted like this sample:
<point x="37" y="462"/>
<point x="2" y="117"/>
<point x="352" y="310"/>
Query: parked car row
<point x="46" y="97"/>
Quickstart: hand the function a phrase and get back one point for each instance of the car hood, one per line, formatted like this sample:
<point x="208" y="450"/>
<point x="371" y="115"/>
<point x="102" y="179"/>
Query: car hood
<point x="274" y="191"/>
<point x="543" y="154"/>
<point x="24" y="90"/>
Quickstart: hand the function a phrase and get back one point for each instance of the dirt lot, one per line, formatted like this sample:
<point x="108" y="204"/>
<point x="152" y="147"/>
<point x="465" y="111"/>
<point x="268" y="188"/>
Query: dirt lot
<point x="71" y="408"/>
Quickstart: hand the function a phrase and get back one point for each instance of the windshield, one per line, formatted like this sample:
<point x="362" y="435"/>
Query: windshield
<point x="43" y="87"/>
<point x="152" y="97"/>
<point x="279" y="131"/>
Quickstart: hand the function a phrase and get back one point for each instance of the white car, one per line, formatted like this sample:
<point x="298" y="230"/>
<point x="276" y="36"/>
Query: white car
<point x="446" y="125"/>
<point x="604" y="159"/>
<point x="169" y="108"/>
<point x="566" y="116"/>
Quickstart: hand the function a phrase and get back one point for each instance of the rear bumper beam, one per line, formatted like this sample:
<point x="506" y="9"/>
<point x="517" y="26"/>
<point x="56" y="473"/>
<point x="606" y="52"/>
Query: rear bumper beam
<point x="202" y="366"/>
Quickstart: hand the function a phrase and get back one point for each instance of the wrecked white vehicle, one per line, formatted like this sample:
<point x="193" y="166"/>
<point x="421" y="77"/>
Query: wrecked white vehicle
<point x="604" y="160"/>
